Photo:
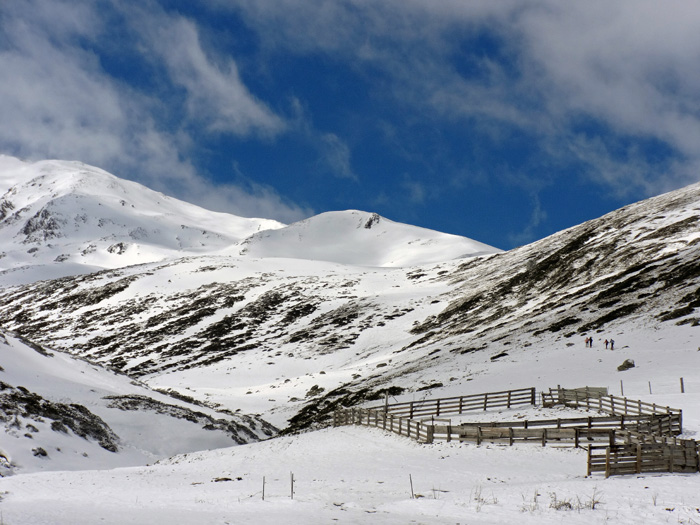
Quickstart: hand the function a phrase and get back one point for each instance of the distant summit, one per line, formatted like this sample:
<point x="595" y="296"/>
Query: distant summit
<point x="63" y="218"/>
<point x="362" y="239"/>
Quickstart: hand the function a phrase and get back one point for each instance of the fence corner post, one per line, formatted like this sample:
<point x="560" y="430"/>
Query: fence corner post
<point x="588" y="473"/>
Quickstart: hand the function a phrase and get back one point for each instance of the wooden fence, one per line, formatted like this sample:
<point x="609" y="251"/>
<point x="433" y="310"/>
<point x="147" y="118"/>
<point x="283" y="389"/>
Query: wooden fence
<point x="458" y="405"/>
<point x="647" y="429"/>
<point x="576" y="431"/>
<point x="644" y="457"/>
<point x="666" y="421"/>
<point x="368" y="417"/>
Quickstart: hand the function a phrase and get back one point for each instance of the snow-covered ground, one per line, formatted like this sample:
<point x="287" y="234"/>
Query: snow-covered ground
<point x="364" y="475"/>
<point x="353" y="475"/>
<point x="146" y="425"/>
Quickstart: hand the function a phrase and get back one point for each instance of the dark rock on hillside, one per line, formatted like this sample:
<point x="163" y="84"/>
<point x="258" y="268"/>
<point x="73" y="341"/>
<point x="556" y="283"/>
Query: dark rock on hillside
<point x="626" y="365"/>
<point x="240" y="433"/>
<point x="18" y="406"/>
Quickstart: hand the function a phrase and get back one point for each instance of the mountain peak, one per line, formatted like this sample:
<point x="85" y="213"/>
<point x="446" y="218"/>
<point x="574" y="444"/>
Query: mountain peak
<point x="61" y="218"/>
<point x="361" y="238"/>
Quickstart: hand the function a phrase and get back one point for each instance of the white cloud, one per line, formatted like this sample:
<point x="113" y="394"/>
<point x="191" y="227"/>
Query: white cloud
<point x="56" y="101"/>
<point x="629" y="65"/>
<point x="335" y="155"/>
<point x="216" y="96"/>
<point x="414" y="191"/>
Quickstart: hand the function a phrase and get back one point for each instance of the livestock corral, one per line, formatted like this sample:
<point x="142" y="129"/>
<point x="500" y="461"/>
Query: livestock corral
<point x="621" y="435"/>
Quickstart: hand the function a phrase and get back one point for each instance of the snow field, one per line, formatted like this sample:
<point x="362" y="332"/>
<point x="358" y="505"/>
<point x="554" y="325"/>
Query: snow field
<point x="353" y="475"/>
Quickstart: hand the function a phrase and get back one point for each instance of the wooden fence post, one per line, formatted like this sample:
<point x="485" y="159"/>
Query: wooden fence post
<point x="670" y="458"/>
<point x="607" y="462"/>
<point x="533" y="399"/>
<point x="682" y="387"/>
<point x="639" y="458"/>
<point x="486" y="404"/>
<point x="588" y="473"/>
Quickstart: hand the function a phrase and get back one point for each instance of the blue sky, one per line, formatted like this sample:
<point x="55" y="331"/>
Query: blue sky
<point x="501" y="121"/>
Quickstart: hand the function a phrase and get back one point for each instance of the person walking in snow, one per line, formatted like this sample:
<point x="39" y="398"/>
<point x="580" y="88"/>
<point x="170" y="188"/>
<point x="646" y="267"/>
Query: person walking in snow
<point x="587" y="342"/>
<point x="612" y="344"/>
<point x="590" y="342"/>
<point x="606" y="344"/>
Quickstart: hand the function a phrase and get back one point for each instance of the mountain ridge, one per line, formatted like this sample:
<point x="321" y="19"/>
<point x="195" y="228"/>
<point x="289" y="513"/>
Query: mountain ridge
<point x="61" y="218"/>
<point x="291" y="339"/>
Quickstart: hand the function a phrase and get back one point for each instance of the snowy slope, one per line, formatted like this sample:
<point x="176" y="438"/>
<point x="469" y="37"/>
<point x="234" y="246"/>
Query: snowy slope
<point x="294" y="338"/>
<point x="364" y="475"/>
<point x="64" y="218"/>
<point x="363" y="239"/>
<point x="61" y="413"/>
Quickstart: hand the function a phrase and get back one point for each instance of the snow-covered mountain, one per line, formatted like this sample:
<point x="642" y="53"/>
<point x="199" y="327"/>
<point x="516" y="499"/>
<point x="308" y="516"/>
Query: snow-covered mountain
<point x="61" y="218"/>
<point x="291" y="322"/>
<point x="292" y="338"/>
<point x="63" y="413"/>
<point x="362" y="239"/>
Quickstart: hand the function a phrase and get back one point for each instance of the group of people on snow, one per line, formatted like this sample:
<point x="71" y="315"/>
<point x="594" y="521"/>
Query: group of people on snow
<point x="611" y="342"/>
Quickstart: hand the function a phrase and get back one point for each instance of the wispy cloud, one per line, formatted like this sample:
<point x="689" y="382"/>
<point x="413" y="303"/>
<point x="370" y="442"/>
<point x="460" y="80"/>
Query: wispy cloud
<point x="537" y="216"/>
<point x="631" y="66"/>
<point x="57" y="100"/>
<point x="335" y="156"/>
<point x="216" y="96"/>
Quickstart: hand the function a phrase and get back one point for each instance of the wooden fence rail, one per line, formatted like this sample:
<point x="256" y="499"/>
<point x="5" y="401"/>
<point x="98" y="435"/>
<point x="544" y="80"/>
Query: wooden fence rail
<point x="511" y="435"/>
<point x="461" y="404"/>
